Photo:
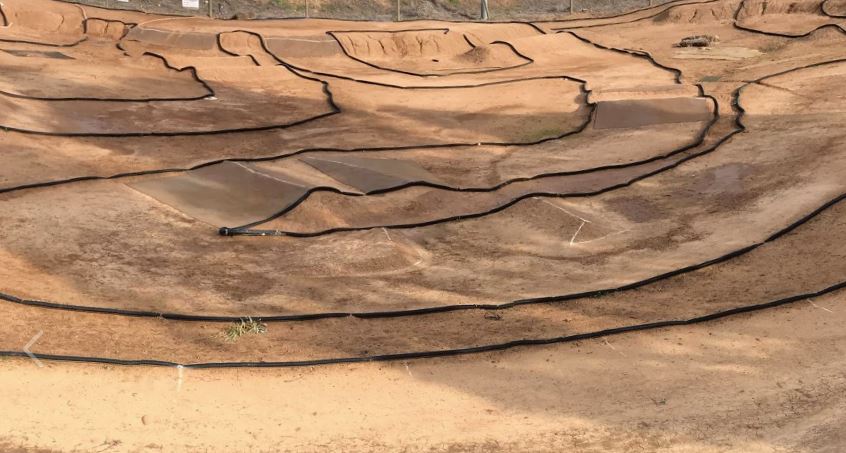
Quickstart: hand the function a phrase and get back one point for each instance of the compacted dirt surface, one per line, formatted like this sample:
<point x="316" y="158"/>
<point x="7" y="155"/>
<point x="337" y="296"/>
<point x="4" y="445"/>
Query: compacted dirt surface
<point x="437" y="236"/>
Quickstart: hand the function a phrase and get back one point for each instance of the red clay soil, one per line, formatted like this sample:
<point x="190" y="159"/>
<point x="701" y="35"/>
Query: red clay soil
<point x="429" y="189"/>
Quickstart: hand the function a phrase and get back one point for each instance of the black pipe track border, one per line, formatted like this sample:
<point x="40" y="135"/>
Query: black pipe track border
<point x="502" y="346"/>
<point x="231" y="231"/>
<point x="301" y="151"/>
<point x="246" y="230"/>
<point x="496" y="347"/>
<point x="637" y="53"/>
<point x="580" y="129"/>
<point x="736" y="105"/>
<point x="736" y="95"/>
<point x="296" y="70"/>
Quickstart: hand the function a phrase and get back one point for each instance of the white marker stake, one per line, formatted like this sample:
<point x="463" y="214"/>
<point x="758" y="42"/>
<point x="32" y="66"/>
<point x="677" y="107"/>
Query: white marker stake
<point x="193" y="4"/>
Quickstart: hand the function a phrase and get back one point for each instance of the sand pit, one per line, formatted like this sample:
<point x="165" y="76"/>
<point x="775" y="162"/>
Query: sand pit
<point x="412" y="192"/>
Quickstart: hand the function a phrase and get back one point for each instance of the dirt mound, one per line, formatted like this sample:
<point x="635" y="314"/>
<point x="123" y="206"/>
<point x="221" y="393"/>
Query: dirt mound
<point x="248" y="44"/>
<point x="109" y="29"/>
<point x="42" y="22"/>
<point x="758" y="8"/>
<point x="787" y="19"/>
<point x="427" y="52"/>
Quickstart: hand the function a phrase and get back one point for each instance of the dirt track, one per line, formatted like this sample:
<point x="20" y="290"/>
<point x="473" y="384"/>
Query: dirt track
<point x="395" y="192"/>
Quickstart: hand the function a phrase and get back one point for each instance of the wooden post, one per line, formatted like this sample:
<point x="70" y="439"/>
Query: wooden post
<point x="211" y="12"/>
<point x="571" y="6"/>
<point x="399" y="11"/>
<point x="306" y="2"/>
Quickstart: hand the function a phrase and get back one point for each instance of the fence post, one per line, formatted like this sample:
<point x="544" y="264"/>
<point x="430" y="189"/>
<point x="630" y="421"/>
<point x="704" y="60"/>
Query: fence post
<point x="211" y="13"/>
<point x="399" y="11"/>
<point x="485" y="13"/>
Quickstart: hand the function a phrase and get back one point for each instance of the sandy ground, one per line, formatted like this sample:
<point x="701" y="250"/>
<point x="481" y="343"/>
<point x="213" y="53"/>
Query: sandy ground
<point x="423" y="188"/>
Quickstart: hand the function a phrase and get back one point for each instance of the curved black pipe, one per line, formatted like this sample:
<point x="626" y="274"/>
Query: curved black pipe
<point x="443" y="352"/>
<point x="637" y="53"/>
<point x="512" y="344"/>
<point x="246" y="230"/>
<point x="448" y="308"/>
<point x="361" y="149"/>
